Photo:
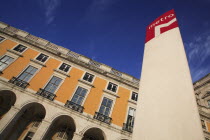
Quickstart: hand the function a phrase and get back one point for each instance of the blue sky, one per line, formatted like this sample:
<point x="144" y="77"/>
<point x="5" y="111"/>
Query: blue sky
<point x="113" y="31"/>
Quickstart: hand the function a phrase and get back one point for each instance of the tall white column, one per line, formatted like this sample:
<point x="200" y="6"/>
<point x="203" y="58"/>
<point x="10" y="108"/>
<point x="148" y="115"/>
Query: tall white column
<point x="7" y="118"/>
<point x="39" y="134"/>
<point x="166" y="108"/>
<point x="77" y="137"/>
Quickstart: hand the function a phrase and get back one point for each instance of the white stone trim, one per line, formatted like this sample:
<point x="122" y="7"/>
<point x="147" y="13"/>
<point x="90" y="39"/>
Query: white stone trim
<point x="54" y="74"/>
<point x="64" y="71"/>
<point x="107" y="84"/>
<point x="82" y="86"/>
<point x="10" y="55"/>
<point x="19" y="52"/>
<point x="40" y="61"/>
<point x="113" y="103"/>
<point x="3" y="39"/>
<point x="94" y="76"/>
<point x="30" y="64"/>
<point x="132" y="106"/>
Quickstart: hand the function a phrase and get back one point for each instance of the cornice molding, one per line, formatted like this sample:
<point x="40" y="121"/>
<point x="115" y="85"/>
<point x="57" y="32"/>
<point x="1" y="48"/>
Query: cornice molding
<point x="64" y="53"/>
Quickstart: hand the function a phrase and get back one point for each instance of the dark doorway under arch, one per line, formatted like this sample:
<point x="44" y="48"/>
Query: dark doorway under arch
<point x="62" y="127"/>
<point x="24" y="119"/>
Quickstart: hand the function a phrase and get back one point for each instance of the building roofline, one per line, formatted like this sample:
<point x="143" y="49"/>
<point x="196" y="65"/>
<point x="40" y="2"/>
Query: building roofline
<point x="201" y="78"/>
<point x="69" y="55"/>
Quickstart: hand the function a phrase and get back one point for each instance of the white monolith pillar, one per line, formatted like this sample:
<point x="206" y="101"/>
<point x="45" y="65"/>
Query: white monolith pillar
<point x="166" y="108"/>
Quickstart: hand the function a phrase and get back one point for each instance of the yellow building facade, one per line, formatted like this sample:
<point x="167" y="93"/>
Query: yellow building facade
<point x="50" y="92"/>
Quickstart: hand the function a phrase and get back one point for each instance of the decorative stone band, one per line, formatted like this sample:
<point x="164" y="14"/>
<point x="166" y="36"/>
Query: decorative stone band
<point x="67" y="54"/>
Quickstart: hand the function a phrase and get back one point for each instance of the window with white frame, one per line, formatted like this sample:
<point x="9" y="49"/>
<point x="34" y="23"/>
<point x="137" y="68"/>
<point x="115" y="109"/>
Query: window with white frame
<point x="131" y="116"/>
<point x="106" y="106"/>
<point x="203" y="124"/>
<point x="88" y="77"/>
<point x="5" y="61"/>
<point x="134" y="96"/>
<point x="42" y="57"/>
<point x="19" y="48"/>
<point x="53" y="84"/>
<point x="27" y="73"/>
<point x="64" y="67"/>
<point x="208" y="103"/>
<point x="29" y="136"/>
<point x="79" y="95"/>
<point x="1" y="38"/>
<point x="112" y="87"/>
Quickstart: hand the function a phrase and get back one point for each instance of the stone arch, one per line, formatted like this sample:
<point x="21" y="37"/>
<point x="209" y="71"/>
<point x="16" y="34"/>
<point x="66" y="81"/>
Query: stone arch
<point x="62" y="126"/>
<point x="94" y="133"/>
<point x="22" y="104"/>
<point x="7" y="100"/>
<point x="26" y="120"/>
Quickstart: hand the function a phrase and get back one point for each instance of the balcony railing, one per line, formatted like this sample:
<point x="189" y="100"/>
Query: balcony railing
<point x="46" y="94"/>
<point x="127" y="127"/>
<point x="102" y="118"/>
<point x="18" y="82"/>
<point x="74" y="106"/>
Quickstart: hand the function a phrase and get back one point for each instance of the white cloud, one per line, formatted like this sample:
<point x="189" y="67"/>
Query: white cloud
<point x="198" y="52"/>
<point x="50" y="7"/>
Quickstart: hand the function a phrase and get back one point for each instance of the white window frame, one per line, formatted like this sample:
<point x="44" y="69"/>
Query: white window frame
<point x="82" y="85"/>
<point x="57" y="75"/>
<point x="19" y="52"/>
<point x="83" y="102"/>
<point x="35" y="59"/>
<point x="94" y="76"/>
<point x="15" y="57"/>
<point x="204" y="124"/>
<point x="3" y="39"/>
<point x="208" y="103"/>
<point x="30" y="64"/>
<point x="107" y="84"/>
<point x="130" y="100"/>
<point x="57" y="69"/>
<point x="132" y="106"/>
<point x="113" y="102"/>
<point x="62" y="70"/>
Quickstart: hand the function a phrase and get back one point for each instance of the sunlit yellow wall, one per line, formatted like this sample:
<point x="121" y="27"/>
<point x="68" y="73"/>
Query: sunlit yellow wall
<point x="120" y="107"/>
<point x="6" y="44"/>
<point x="15" y="68"/>
<point x="44" y="75"/>
<point x="92" y="102"/>
<point x="208" y="126"/>
<point x="68" y="87"/>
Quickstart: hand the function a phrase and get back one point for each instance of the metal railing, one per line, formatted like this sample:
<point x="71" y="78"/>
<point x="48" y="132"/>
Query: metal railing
<point x="127" y="127"/>
<point x="102" y="118"/>
<point x="74" y="106"/>
<point x="18" y="82"/>
<point x="46" y="94"/>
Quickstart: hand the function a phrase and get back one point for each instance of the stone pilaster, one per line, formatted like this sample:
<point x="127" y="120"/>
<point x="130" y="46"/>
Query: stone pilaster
<point x="41" y="131"/>
<point x="7" y="118"/>
<point x="77" y="136"/>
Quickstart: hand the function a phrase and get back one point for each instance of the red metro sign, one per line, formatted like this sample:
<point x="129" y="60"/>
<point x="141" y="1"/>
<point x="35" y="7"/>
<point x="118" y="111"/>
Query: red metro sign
<point x="160" y="25"/>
